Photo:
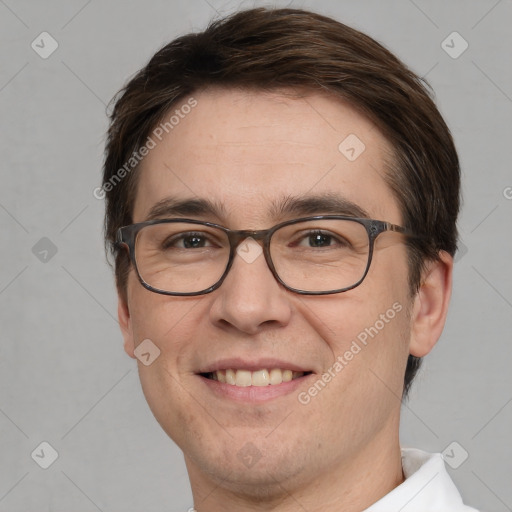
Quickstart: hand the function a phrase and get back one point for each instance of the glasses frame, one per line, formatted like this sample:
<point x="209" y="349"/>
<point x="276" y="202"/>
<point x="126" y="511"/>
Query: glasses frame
<point x="126" y="237"/>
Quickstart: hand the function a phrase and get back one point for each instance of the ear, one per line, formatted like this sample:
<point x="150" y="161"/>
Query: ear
<point x="430" y="306"/>
<point x="123" y="313"/>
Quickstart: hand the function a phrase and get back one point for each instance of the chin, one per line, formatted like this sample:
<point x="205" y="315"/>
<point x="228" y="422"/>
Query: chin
<point x="260" y="473"/>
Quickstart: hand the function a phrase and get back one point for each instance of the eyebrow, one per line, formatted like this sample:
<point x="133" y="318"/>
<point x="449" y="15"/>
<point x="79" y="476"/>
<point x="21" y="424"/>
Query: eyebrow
<point x="328" y="203"/>
<point x="286" y="206"/>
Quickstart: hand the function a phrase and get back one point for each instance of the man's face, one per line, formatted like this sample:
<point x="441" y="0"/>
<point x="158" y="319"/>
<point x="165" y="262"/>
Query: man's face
<point x="247" y="153"/>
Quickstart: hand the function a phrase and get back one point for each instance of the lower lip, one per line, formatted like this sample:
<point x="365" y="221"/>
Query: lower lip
<point x="253" y="394"/>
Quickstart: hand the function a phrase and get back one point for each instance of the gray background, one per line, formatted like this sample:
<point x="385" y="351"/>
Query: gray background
<point x="64" y="377"/>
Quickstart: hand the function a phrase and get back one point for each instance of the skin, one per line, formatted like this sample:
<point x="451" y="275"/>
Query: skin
<point x="340" y="452"/>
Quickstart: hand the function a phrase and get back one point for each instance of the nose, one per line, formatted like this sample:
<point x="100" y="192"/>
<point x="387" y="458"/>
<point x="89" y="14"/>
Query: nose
<point x="250" y="299"/>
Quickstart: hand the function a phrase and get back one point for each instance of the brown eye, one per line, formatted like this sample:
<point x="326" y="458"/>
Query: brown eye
<point x="187" y="241"/>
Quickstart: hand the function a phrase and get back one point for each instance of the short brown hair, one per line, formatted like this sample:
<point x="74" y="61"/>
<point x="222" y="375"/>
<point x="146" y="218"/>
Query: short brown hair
<point x="268" y="49"/>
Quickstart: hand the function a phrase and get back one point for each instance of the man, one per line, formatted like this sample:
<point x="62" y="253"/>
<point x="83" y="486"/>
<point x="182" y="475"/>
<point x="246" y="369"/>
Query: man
<point x="281" y="201"/>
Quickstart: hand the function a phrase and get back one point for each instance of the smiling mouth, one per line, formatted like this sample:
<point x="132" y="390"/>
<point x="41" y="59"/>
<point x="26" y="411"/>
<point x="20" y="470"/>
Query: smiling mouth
<point x="259" y="378"/>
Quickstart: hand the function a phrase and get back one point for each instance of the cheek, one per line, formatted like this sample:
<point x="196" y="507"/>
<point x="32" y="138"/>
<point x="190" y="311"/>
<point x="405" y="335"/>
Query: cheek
<point x="369" y="312"/>
<point x="366" y="370"/>
<point x="169" y="323"/>
<point x="165" y="320"/>
<point x="167" y="399"/>
<point x="368" y="336"/>
<point x="367" y="332"/>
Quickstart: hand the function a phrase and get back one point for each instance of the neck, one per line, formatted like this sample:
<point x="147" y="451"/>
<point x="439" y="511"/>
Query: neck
<point x="350" y="485"/>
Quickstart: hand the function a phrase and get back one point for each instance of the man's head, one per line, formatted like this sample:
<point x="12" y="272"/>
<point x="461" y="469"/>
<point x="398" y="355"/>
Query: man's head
<point x="267" y="116"/>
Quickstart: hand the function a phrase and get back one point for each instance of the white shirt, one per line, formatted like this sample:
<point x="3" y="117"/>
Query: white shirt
<point x="427" y="487"/>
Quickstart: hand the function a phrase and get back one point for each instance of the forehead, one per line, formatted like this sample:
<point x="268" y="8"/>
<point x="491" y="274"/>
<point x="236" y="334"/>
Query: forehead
<point x="245" y="151"/>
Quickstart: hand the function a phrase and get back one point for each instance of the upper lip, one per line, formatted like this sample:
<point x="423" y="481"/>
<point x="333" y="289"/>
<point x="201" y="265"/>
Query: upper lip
<point x="236" y="363"/>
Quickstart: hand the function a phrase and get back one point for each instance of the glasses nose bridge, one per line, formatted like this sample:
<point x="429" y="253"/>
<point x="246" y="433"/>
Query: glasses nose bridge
<point x="237" y="237"/>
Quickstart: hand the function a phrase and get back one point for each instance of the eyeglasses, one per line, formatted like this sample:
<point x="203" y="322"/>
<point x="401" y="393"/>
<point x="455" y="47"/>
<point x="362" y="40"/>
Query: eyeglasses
<point x="318" y="255"/>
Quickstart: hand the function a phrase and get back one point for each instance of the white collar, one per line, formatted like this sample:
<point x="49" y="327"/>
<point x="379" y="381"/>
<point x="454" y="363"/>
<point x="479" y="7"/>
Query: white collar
<point x="427" y="487"/>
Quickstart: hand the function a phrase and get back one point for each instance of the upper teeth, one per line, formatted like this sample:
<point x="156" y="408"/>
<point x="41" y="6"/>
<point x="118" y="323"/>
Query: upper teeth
<point x="263" y="377"/>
